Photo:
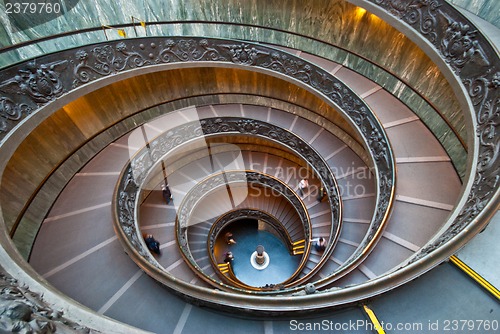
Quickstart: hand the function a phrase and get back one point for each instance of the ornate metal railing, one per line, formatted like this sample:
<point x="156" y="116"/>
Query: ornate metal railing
<point x="249" y="213"/>
<point x="85" y="65"/>
<point x="477" y="68"/>
<point x="249" y="179"/>
<point x="476" y="63"/>
<point x="35" y="86"/>
<point x="452" y="38"/>
<point x="253" y="178"/>
<point x="385" y="184"/>
<point x="98" y="30"/>
<point x="135" y="173"/>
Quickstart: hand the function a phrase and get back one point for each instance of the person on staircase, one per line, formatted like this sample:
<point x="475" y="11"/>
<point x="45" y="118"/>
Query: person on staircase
<point x="152" y="244"/>
<point x="167" y="194"/>
<point x="321" y="194"/>
<point x="228" y="257"/>
<point x="228" y="237"/>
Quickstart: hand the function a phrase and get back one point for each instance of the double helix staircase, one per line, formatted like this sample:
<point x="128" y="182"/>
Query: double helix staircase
<point x="93" y="124"/>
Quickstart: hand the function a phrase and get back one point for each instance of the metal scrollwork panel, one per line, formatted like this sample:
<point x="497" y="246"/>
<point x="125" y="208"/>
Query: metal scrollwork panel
<point x="29" y="86"/>
<point x="34" y="84"/>
<point x="46" y="79"/>
<point x="471" y="57"/>
<point x="238" y="214"/>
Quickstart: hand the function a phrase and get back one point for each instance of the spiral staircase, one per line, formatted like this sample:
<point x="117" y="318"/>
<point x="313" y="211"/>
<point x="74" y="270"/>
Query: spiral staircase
<point x="402" y="172"/>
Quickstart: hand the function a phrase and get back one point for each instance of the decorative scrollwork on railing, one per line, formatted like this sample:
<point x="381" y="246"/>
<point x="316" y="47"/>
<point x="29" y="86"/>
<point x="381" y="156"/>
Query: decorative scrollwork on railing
<point x="476" y="63"/>
<point x="138" y="168"/>
<point x="466" y="51"/>
<point x="50" y="78"/>
<point x="248" y="177"/>
<point x="384" y="157"/>
<point x="161" y="145"/>
<point x="10" y="111"/>
<point x="256" y="214"/>
<point x="40" y="82"/>
<point x="290" y="140"/>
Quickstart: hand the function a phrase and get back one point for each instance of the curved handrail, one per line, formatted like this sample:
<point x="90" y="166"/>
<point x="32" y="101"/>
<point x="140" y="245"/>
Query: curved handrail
<point x="210" y="184"/>
<point x="92" y="63"/>
<point x="290" y="140"/>
<point x="242" y="213"/>
<point x="484" y="191"/>
<point x="261" y="179"/>
<point x="31" y="42"/>
<point x="143" y="161"/>
<point x="261" y="57"/>
<point x="237" y="125"/>
<point x="131" y="118"/>
<point x="472" y="59"/>
<point x="228" y="125"/>
<point x="160" y="23"/>
<point x="484" y="195"/>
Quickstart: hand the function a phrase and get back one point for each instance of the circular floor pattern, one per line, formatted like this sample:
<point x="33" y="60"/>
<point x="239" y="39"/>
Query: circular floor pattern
<point x="248" y="238"/>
